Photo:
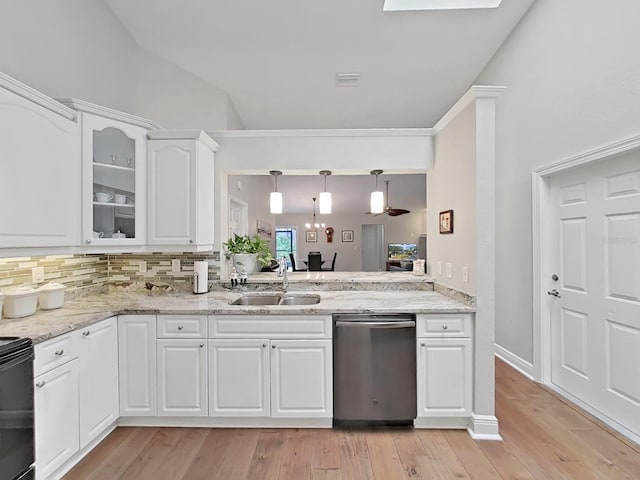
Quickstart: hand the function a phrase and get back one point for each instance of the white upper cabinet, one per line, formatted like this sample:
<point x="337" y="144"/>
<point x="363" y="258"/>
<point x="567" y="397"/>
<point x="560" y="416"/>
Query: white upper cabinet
<point x="180" y="189"/>
<point x="39" y="170"/>
<point x="114" y="158"/>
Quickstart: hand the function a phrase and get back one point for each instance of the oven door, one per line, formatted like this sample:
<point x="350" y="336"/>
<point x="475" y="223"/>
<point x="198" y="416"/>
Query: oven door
<point x="16" y="413"/>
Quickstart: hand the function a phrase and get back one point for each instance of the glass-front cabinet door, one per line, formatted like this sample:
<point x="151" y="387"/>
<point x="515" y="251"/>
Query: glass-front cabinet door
<point x="114" y="156"/>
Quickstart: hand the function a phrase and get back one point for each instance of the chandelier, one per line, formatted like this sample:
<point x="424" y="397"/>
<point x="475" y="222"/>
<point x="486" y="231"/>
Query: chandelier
<point x="314" y="225"/>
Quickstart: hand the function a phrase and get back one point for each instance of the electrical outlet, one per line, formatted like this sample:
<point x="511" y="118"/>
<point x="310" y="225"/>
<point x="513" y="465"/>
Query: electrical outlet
<point x="449" y="268"/>
<point x="37" y="275"/>
<point x="439" y="267"/>
<point x="142" y="267"/>
<point x="465" y="274"/>
<point x="175" y="265"/>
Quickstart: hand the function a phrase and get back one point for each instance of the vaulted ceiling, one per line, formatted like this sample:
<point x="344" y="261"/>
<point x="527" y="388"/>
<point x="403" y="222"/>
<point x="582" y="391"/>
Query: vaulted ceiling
<point x="278" y="60"/>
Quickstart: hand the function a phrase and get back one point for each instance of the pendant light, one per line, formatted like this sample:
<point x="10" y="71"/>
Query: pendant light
<point x="275" y="199"/>
<point x="314" y="225"/>
<point x="325" y="197"/>
<point x="377" y="197"/>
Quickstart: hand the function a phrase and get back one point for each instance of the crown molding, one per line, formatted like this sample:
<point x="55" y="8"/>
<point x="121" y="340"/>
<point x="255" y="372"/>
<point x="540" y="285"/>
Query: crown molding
<point x="88" y="107"/>
<point x="470" y="96"/>
<point x="346" y="132"/>
<point x="184" y="135"/>
<point x="33" y="95"/>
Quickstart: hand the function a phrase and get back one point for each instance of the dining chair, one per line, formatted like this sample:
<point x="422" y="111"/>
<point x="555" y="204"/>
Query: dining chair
<point x="293" y="264"/>
<point x="314" y="262"/>
<point x="333" y="264"/>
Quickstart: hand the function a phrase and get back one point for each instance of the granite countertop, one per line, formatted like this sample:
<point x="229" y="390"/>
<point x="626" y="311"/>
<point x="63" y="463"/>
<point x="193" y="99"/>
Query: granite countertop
<point x="86" y="310"/>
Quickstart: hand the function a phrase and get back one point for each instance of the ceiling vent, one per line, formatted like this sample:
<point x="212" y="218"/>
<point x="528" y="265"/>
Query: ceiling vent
<point x="347" y="79"/>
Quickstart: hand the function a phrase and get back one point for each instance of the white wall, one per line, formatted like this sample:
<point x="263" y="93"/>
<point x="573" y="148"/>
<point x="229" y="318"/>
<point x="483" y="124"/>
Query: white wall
<point x="451" y="186"/>
<point x="574" y="84"/>
<point x="255" y="190"/>
<point x="401" y="229"/>
<point x="78" y="48"/>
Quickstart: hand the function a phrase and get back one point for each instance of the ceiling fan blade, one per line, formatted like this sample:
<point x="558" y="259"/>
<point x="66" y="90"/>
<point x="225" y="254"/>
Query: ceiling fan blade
<point x="394" y="212"/>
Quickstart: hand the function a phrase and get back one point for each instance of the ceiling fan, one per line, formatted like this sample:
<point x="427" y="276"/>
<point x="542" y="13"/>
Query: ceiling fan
<point x="392" y="212"/>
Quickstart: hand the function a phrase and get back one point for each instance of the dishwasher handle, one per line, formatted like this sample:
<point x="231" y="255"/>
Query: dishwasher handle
<point x="402" y="324"/>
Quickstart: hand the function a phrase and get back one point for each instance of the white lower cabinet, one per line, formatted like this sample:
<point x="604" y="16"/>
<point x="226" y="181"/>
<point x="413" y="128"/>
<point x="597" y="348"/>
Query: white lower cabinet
<point x="277" y="378"/>
<point x="444" y="380"/>
<point x="182" y="377"/>
<point x="137" y="365"/>
<point x="57" y="423"/>
<point x="301" y="378"/>
<point x="239" y="378"/>
<point x="98" y="359"/>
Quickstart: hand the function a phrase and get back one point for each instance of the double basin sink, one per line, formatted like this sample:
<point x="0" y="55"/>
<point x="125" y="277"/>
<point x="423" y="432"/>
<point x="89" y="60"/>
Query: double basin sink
<point x="276" y="299"/>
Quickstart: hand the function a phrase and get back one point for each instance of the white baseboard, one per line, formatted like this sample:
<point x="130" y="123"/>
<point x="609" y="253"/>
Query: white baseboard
<point x="515" y="361"/>
<point x="484" y="427"/>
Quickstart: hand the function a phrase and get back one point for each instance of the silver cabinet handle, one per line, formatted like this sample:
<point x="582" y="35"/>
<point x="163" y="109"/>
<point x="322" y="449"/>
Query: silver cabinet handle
<point x="180" y="327"/>
<point x="190" y="241"/>
<point x="264" y="345"/>
<point x="401" y="324"/>
<point x="87" y="333"/>
<point x="554" y="293"/>
<point x="444" y="327"/>
<point x="202" y="345"/>
<point x="273" y="346"/>
<point x="40" y="384"/>
<point x="87" y="241"/>
<point x="423" y="344"/>
<point x="59" y="353"/>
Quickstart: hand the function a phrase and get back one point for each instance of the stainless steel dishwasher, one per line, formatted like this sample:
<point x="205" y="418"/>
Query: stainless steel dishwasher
<point x="374" y="369"/>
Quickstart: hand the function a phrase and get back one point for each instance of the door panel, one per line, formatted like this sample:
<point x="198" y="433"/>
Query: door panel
<point x="595" y="320"/>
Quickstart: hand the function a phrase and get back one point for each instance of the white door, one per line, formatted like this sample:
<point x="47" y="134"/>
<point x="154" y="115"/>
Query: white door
<point x="444" y="374"/>
<point x="137" y="365"/>
<point x="301" y="378"/>
<point x="238" y="217"/>
<point x="595" y="317"/>
<point x="373" y="258"/>
<point x="98" y="354"/>
<point x="239" y="378"/>
<point x="182" y="377"/>
<point x="56" y="417"/>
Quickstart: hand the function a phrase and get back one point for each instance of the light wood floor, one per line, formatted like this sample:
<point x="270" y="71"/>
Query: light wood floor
<point x="544" y="438"/>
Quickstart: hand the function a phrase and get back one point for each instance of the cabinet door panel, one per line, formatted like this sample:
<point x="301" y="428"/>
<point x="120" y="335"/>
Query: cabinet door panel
<point x="56" y="417"/>
<point x="239" y="378"/>
<point x="301" y="378"/>
<point x="98" y="347"/>
<point x="444" y="377"/>
<point x="137" y="365"/>
<point x="182" y="377"/>
<point x="40" y="175"/>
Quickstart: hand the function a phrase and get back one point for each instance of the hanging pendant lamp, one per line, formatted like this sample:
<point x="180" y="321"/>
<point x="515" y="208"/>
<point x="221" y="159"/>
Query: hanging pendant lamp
<point x="325" y="197"/>
<point x="275" y="198"/>
<point x="377" y="197"/>
<point x="314" y="225"/>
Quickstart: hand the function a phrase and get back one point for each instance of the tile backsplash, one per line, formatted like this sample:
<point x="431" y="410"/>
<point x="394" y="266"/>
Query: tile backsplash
<point x="82" y="271"/>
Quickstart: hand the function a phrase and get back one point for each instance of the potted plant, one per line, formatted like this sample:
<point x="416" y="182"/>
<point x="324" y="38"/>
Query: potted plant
<point x="248" y="252"/>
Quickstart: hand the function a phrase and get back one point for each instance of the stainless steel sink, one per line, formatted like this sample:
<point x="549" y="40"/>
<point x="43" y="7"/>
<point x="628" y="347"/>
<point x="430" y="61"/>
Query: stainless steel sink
<point x="257" y="300"/>
<point x="300" y="300"/>
<point x="276" y="299"/>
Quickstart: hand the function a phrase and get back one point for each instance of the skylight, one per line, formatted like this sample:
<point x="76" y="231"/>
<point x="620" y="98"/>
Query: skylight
<point x="403" y="5"/>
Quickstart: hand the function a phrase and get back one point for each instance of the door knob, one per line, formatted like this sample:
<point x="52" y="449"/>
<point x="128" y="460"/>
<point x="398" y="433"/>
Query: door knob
<point x="554" y="293"/>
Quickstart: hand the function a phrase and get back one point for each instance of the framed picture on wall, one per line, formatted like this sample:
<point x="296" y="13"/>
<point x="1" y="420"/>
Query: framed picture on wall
<point x="265" y="230"/>
<point x="347" y="235"/>
<point x="446" y="221"/>
<point x="312" y="236"/>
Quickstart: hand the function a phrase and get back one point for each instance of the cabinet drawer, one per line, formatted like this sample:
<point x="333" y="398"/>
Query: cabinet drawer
<point x="444" y="325"/>
<point x="54" y="352"/>
<point x="270" y="326"/>
<point x="182" y="326"/>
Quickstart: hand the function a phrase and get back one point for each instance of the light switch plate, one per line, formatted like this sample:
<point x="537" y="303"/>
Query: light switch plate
<point x="175" y="265"/>
<point x="465" y="274"/>
<point x="37" y="275"/>
<point x="449" y="268"/>
<point x="439" y="267"/>
<point x="142" y="267"/>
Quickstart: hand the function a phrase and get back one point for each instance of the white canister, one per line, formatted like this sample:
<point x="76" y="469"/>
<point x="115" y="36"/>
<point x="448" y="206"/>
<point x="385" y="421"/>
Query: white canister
<point x="51" y="296"/>
<point x="200" y="277"/>
<point x="20" y="302"/>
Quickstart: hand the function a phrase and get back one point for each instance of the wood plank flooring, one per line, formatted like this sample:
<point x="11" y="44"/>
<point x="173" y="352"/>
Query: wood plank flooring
<point x="544" y="438"/>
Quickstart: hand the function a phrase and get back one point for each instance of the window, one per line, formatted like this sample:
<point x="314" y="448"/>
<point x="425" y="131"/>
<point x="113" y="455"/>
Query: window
<point x="285" y="242"/>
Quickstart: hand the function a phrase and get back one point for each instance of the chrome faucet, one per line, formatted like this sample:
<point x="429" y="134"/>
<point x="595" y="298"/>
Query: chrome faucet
<point x="282" y="271"/>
